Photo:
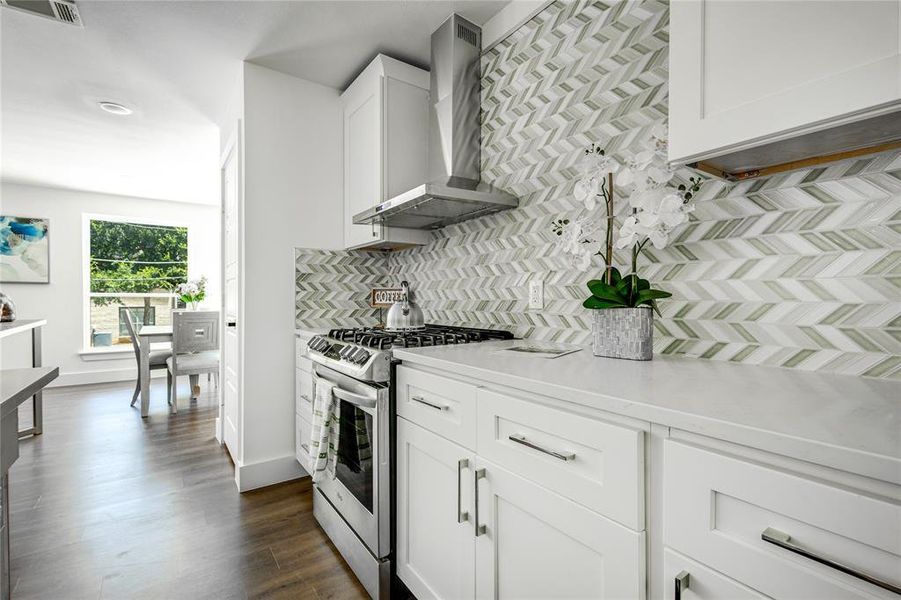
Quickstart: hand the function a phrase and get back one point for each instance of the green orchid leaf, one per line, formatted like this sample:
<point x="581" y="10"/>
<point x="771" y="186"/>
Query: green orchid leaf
<point x="605" y="292"/>
<point x="615" y="277"/>
<point x="595" y="302"/>
<point x="645" y="295"/>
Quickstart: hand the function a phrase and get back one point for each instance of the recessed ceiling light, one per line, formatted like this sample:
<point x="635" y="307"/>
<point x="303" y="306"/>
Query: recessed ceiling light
<point x="115" y="108"/>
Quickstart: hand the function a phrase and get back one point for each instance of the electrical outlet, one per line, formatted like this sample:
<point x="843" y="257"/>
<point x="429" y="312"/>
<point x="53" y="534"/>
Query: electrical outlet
<point x="536" y="294"/>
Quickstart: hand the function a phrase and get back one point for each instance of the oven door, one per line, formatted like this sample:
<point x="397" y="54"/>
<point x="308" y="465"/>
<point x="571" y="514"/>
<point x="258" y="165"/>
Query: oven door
<point x="360" y="490"/>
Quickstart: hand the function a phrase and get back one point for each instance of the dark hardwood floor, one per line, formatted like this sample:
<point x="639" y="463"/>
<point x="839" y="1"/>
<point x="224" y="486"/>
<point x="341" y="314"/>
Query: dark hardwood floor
<point x="107" y="505"/>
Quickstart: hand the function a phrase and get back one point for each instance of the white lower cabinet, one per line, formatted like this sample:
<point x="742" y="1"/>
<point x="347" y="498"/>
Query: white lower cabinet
<point x="302" y="432"/>
<point x="519" y="540"/>
<point x="504" y="496"/>
<point x="536" y="544"/>
<point x="690" y="580"/>
<point x="435" y="536"/>
<point x="785" y="535"/>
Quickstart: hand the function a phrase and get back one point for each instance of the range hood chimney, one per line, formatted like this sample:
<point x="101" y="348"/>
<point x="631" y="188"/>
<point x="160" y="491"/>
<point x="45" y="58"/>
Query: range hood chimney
<point x="454" y="192"/>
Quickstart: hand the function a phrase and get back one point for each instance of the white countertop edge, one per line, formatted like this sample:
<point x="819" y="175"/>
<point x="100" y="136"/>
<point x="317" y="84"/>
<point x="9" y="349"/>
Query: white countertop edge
<point x="15" y="327"/>
<point x="882" y="467"/>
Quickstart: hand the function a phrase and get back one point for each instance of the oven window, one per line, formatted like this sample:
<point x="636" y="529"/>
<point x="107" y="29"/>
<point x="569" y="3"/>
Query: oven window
<point x="354" y="468"/>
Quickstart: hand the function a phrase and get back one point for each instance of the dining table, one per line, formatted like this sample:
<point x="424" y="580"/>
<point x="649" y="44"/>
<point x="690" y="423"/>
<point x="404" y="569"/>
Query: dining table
<point x="147" y="335"/>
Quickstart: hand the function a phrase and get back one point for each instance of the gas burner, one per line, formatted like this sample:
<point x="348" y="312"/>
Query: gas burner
<point x="365" y="352"/>
<point x="430" y="335"/>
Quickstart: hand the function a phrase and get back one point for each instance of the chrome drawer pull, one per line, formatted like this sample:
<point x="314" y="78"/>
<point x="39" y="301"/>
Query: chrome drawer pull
<point x="462" y="515"/>
<point x="480" y="474"/>
<point x="422" y="400"/>
<point x="305" y="448"/>
<point x="683" y="580"/>
<point x="521" y="439"/>
<point x="783" y="540"/>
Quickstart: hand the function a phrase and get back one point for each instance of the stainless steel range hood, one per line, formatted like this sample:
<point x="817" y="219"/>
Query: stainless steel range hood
<point x="454" y="191"/>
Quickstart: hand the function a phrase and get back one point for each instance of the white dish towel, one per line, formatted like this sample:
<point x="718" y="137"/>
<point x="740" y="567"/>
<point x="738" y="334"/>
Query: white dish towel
<point x="324" y="438"/>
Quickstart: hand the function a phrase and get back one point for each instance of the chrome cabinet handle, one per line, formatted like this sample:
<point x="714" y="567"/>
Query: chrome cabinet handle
<point x="305" y="448"/>
<point x="479" y="474"/>
<point x="422" y="400"/>
<point x="462" y="515"/>
<point x="683" y="580"/>
<point x="783" y="540"/>
<point x="521" y="439"/>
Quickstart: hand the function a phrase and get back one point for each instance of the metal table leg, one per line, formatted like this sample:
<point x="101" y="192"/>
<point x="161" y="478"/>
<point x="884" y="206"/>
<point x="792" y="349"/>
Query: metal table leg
<point x="37" y="402"/>
<point x="4" y="538"/>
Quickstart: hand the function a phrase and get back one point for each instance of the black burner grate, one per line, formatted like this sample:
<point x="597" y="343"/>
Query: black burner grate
<point x="431" y="335"/>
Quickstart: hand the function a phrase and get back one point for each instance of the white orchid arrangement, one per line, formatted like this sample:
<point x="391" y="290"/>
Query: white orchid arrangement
<point x="657" y="208"/>
<point x="192" y="291"/>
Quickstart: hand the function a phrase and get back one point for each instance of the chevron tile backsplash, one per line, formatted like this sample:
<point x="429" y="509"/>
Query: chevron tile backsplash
<point x="801" y="270"/>
<point x="331" y="288"/>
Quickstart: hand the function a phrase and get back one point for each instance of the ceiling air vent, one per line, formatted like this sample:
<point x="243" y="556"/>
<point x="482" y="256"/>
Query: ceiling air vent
<point x="58" y="10"/>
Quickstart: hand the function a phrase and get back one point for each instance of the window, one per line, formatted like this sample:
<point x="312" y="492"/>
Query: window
<point x="135" y="267"/>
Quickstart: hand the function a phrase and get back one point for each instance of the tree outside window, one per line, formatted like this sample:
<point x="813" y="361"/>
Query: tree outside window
<point x="134" y="267"/>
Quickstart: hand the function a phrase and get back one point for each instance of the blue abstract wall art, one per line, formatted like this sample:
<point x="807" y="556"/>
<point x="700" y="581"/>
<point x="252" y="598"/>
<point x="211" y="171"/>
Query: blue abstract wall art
<point x="24" y="250"/>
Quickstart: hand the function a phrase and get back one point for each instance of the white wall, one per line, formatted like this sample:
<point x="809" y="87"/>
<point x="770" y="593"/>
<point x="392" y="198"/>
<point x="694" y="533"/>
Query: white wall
<point x="292" y="197"/>
<point x="61" y="302"/>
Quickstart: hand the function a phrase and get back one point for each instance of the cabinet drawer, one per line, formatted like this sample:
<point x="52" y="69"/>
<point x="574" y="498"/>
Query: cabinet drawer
<point x="703" y="583"/>
<point x="594" y="463"/>
<point x="440" y="404"/>
<point x="717" y="508"/>
<point x="302" y="430"/>
<point x="303" y="394"/>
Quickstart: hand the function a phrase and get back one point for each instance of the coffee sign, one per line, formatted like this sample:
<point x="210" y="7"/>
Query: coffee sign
<point x="385" y="297"/>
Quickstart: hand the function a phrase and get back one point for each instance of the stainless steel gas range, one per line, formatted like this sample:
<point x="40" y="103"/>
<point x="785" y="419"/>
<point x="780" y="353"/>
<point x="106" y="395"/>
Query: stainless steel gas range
<point x="355" y="508"/>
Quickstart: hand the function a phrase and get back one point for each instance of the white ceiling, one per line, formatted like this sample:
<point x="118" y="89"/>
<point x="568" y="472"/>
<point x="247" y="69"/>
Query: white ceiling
<point x="174" y="62"/>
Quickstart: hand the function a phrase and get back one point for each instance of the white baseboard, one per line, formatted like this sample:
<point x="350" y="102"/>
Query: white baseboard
<point x="100" y="376"/>
<point x="267" y="472"/>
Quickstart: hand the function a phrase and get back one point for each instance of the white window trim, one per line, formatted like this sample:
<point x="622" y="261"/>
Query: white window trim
<point x="88" y="352"/>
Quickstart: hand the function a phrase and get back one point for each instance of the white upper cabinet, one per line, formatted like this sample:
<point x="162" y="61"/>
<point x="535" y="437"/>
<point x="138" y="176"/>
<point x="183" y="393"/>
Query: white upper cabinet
<point x="744" y="73"/>
<point x="386" y="132"/>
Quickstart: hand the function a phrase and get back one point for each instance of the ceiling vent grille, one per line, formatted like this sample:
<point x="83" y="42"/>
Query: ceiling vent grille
<point x="58" y="10"/>
<point x="467" y="35"/>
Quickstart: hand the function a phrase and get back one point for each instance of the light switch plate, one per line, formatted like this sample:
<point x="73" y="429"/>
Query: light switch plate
<point x="536" y="294"/>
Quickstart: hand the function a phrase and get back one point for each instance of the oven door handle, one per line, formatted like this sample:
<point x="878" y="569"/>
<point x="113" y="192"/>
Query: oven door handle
<point x="355" y="399"/>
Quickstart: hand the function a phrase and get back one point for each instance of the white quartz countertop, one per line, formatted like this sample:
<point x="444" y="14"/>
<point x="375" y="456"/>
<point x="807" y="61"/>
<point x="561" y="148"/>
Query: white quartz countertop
<point x="848" y="423"/>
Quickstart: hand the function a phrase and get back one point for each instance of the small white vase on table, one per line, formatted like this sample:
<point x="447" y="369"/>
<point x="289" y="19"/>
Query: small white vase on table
<point x="191" y="293"/>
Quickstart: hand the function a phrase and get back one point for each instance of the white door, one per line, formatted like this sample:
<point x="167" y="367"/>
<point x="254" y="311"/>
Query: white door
<point x="230" y="413"/>
<point x="536" y="544"/>
<point x="435" y="534"/>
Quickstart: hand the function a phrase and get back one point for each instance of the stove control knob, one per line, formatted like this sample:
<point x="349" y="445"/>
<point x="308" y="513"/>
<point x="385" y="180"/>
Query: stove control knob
<point x="319" y="344"/>
<point x="360" y="356"/>
<point x="346" y="352"/>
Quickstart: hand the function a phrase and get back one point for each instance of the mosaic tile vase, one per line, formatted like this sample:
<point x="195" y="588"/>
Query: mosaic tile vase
<point x="623" y="333"/>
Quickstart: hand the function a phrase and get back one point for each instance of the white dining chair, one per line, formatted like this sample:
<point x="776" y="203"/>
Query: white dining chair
<point x="157" y="357"/>
<point x="195" y="349"/>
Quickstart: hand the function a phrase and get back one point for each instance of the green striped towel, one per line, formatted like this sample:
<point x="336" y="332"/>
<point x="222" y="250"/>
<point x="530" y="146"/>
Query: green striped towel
<point x="326" y="429"/>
